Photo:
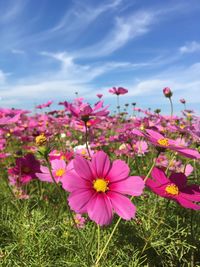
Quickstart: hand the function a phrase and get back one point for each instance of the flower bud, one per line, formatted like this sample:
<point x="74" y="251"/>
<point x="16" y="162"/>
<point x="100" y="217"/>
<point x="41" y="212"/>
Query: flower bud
<point x="167" y="92"/>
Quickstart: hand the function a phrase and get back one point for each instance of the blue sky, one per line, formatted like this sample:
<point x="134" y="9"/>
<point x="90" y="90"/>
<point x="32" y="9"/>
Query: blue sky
<point x="51" y="49"/>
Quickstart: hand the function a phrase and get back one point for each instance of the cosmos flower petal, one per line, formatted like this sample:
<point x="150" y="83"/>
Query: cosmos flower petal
<point x="101" y="164"/>
<point x="159" y="175"/>
<point x="100" y="209"/>
<point x="83" y="168"/>
<point x="45" y="177"/>
<point x="187" y="203"/>
<point x="58" y="164"/>
<point x="122" y="205"/>
<point x="79" y="199"/>
<point x="133" y="186"/>
<point x="119" y="171"/>
<point x="72" y="181"/>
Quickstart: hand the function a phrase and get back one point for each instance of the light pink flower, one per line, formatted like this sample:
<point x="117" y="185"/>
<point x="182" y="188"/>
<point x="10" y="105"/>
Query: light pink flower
<point x="59" y="171"/>
<point x="97" y="187"/>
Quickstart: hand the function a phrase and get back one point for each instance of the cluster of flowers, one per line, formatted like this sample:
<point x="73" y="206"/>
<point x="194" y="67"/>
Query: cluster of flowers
<point x="96" y="185"/>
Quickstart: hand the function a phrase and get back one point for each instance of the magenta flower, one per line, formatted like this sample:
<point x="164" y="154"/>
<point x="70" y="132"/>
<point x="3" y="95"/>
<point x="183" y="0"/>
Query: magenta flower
<point x="182" y="100"/>
<point x="84" y="111"/>
<point x="160" y="141"/>
<point x="118" y="91"/>
<point x="45" y="105"/>
<point x="97" y="187"/>
<point x="174" y="188"/>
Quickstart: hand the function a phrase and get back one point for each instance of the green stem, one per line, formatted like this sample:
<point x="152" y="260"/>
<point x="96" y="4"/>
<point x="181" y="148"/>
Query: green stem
<point x="118" y="106"/>
<point x="71" y="217"/>
<point x="98" y="240"/>
<point x="86" y="139"/>
<point x="171" y="104"/>
<point x="118" y="221"/>
<point x="90" y="245"/>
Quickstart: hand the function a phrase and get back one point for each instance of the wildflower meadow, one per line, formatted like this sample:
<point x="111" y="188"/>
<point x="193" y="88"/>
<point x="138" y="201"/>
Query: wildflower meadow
<point x="84" y="186"/>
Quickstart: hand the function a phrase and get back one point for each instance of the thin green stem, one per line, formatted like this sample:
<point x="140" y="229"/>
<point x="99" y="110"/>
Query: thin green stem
<point x="118" y="221"/>
<point x="86" y="139"/>
<point x="98" y="240"/>
<point x="171" y="104"/>
<point x="90" y="245"/>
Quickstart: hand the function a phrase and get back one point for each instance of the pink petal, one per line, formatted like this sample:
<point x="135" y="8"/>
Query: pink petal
<point x="159" y="175"/>
<point x="45" y="177"/>
<point x="79" y="199"/>
<point x="189" y="153"/>
<point x="133" y="186"/>
<point x="119" y="171"/>
<point x="82" y="167"/>
<point x="58" y="164"/>
<point x="72" y="181"/>
<point x="188" y="169"/>
<point x="187" y="204"/>
<point x="154" y="134"/>
<point x="159" y="190"/>
<point x="101" y="164"/>
<point x="100" y="209"/>
<point x="122" y="205"/>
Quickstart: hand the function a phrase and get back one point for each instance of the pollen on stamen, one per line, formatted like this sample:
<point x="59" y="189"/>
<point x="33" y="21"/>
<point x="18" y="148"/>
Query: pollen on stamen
<point x="163" y="142"/>
<point x="100" y="185"/>
<point x="172" y="189"/>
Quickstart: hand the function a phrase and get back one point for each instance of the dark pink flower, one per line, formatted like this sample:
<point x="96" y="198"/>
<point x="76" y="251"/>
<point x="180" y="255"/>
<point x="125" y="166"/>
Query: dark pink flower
<point x="182" y="100"/>
<point x="175" y="187"/>
<point x="24" y="170"/>
<point x="99" y="95"/>
<point x="118" y="91"/>
<point x="97" y="187"/>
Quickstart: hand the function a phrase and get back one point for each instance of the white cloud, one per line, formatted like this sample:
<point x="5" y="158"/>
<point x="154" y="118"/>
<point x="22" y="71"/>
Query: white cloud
<point x="2" y="77"/>
<point x="190" y="47"/>
<point x="18" y="51"/>
<point x="125" y="29"/>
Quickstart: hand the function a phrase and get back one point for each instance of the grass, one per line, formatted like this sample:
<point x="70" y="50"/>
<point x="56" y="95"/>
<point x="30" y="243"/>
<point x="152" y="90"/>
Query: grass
<point x="37" y="233"/>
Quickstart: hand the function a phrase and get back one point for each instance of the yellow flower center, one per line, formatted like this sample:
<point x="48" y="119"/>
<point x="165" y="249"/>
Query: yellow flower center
<point x="60" y="172"/>
<point x="83" y="152"/>
<point x="100" y="185"/>
<point x="41" y="140"/>
<point x="163" y="142"/>
<point x="172" y="189"/>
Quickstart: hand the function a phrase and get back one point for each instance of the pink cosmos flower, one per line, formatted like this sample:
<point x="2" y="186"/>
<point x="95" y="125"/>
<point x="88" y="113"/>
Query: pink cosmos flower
<point x="45" y="105"/>
<point x="84" y="111"/>
<point x="97" y="187"/>
<point x="167" y="92"/>
<point x="141" y="147"/>
<point x="59" y="171"/>
<point x="160" y="141"/>
<point x="79" y="220"/>
<point x="118" y="91"/>
<point x="175" y="187"/>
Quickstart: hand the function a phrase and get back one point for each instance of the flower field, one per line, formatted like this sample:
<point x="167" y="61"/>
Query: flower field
<point x="82" y="186"/>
